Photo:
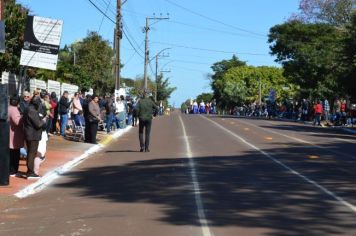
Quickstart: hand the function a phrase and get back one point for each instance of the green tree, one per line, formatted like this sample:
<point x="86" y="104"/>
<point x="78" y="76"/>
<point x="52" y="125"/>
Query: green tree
<point x="309" y="55"/>
<point x="206" y="97"/>
<point x="348" y="61"/>
<point x="240" y="85"/>
<point x="219" y="69"/>
<point x="15" y="19"/>
<point x="164" y="91"/>
<point x="139" y="85"/>
<point x="94" y="63"/>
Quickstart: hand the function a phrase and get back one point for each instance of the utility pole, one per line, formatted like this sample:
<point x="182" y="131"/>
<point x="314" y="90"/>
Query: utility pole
<point x="118" y="37"/>
<point x="146" y="54"/>
<point x="147" y="29"/>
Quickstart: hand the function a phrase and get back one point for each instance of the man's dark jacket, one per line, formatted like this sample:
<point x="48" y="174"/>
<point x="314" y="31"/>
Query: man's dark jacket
<point x="146" y="108"/>
<point x="64" y="105"/>
<point x="33" y="124"/>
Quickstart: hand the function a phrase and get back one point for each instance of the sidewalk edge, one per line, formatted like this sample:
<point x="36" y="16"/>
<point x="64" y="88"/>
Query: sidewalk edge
<point x="49" y="177"/>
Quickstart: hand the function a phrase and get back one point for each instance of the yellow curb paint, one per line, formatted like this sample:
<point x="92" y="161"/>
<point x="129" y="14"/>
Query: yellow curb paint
<point x="107" y="140"/>
<point x="313" y="157"/>
<point x="268" y="138"/>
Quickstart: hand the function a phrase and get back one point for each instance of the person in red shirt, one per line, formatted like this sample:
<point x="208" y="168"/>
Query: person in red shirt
<point x="318" y="110"/>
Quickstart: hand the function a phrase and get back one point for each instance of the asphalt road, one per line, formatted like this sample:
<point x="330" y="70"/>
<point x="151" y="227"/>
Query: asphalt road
<point x="204" y="176"/>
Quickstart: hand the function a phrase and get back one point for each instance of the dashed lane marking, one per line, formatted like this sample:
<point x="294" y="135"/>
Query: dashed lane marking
<point x="300" y="140"/>
<point x="312" y="182"/>
<point x="198" y="200"/>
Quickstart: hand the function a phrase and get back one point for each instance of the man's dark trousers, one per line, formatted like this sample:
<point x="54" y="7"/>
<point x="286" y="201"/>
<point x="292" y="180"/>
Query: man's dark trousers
<point x="144" y="124"/>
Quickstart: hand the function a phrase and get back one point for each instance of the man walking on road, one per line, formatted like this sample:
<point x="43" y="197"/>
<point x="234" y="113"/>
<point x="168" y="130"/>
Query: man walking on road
<point x="145" y="109"/>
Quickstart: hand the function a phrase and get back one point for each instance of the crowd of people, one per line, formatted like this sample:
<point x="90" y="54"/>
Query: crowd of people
<point x="341" y="112"/>
<point x="201" y="108"/>
<point x="34" y="118"/>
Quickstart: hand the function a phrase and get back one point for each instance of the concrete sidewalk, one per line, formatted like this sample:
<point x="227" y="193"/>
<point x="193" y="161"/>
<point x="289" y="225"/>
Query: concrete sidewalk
<point x="61" y="156"/>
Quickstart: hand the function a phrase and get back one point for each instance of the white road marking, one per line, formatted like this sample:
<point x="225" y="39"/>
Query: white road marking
<point x="197" y="190"/>
<point x="300" y="140"/>
<point x="323" y="189"/>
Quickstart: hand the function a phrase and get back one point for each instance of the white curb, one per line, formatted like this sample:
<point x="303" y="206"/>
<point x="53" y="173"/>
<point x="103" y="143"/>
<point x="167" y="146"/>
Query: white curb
<point x="57" y="172"/>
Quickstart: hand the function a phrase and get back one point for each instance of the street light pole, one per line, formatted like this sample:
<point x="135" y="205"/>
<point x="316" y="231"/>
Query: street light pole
<point x="156" y="79"/>
<point x="147" y="29"/>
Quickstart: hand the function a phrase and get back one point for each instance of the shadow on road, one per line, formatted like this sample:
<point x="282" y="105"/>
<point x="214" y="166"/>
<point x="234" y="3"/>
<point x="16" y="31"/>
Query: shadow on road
<point x="247" y="191"/>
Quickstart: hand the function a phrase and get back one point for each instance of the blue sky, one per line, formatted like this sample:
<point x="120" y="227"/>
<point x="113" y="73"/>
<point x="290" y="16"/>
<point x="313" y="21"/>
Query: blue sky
<point x="198" y="33"/>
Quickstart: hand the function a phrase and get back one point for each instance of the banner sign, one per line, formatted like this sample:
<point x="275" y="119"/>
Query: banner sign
<point x="41" y="44"/>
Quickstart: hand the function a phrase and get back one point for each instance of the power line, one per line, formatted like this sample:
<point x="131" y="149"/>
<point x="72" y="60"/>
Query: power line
<point x="215" y="30"/>
<point x="211" y="50"/>
<point x="213" y="20"/>
<point x="124" y="33"/>
<point x="130" y="35"/>
<point x="131" y="43"/>
<point x="132" y="56"/>
<point x="102" y="20"/>
<point x="102" y="12"/>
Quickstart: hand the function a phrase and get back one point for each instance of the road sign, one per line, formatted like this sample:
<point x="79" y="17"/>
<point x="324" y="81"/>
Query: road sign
<point x="41" y="44"/>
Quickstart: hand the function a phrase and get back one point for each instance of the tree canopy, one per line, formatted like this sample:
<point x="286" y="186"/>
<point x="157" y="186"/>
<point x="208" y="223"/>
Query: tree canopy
<point x="309" y="55"/>
<point x="15" y="19"/>
<point x="334" y="12"/>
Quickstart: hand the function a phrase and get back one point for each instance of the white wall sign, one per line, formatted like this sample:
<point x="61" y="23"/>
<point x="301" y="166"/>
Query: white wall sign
<point x="54" y="86"/>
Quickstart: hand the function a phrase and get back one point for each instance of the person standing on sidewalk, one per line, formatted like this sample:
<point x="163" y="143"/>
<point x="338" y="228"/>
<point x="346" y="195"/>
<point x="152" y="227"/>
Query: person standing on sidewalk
<point x="110" y="111"/>
<point x="145" y="109"/>
<point x="54" y="112"/>
<point x="326" y="109"/>
<point x="318" y="110"/>
<point x="86" y="114"/>
<point x="337" y="111"/>
<point x="77" y="109"/>
<point x="64" y="105"/>
<point x="94" y="118"/>
<point x="16" y="134"/>
<point x="33" y="124"/>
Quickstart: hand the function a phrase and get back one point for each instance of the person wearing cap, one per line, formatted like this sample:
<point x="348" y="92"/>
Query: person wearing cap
<point x="145" y="110"/>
